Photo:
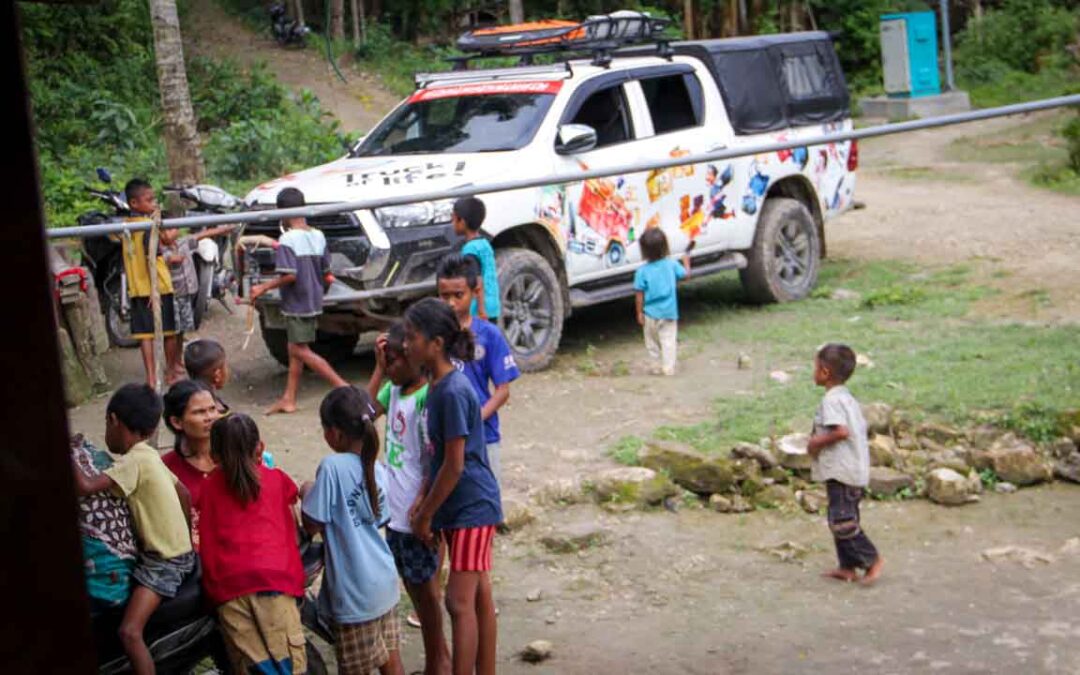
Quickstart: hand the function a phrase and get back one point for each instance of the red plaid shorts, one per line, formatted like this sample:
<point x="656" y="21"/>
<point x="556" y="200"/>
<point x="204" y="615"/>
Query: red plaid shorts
<point x="470" y="548"/>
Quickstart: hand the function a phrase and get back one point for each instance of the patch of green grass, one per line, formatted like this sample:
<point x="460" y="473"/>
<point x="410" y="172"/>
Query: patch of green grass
<point x="894" y="295"/>
<point x="1036" y="420"/>
<point x="989" y="478"/>
<point x="626" y="450"/>
<point x="931" y="357"/>
<point x="926" y="173"/>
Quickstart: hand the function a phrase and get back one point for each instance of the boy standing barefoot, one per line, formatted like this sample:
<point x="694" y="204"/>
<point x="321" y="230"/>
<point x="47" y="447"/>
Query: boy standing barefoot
<point x="302" y="262"/>
<point x="841" y="460"/>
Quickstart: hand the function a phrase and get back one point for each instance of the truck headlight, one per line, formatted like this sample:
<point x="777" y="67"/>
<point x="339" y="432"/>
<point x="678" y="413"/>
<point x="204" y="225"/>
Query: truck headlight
<point x="422" y="213"/>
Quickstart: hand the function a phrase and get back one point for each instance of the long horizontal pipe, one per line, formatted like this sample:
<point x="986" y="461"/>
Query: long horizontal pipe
<point x="469" y="189"/>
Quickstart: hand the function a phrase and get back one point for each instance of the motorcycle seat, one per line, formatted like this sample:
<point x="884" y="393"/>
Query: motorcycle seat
<point x="186" y="606"/>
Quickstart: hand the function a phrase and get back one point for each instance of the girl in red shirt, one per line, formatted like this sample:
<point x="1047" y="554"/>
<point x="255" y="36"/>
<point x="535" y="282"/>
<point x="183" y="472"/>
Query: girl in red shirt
<point x="190" y="410"/>
<point x="250" y="559"/>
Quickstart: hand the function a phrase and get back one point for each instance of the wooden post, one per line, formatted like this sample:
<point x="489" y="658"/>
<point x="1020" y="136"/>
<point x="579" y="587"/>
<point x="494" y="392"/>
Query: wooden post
<point x="298" y="10"/>
<point x="688" y="19"/>
<point x="155" y="301"/>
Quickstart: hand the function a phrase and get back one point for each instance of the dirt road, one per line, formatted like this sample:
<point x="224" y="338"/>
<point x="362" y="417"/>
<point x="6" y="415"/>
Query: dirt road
<point x="358" y="103"/>
<point x="691" y="592"/>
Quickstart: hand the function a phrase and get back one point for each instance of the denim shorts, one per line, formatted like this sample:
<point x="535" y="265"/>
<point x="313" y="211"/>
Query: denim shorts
<point x="416" y="562"/>
<point x="163" y="575"/>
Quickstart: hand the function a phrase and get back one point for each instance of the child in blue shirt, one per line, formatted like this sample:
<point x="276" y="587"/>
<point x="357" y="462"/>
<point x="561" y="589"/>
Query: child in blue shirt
<point x="656" y="299"/>
<point x="347" y="504"/>
<point x="461" y="502"/>
<point x="493" y="363"/>
<point x="469" y="214"/>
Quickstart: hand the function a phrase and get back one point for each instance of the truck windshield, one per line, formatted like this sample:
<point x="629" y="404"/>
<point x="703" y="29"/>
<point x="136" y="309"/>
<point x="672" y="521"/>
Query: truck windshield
<point x="452" y="124"/>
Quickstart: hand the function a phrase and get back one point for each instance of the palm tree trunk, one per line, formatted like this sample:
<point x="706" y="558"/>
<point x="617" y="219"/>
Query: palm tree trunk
<point x="359" y="24"/>
<point x="688" y="19"/>
<point x="337" y="19"/>
<point x="181" y="132"/>
<point x="298" y="11"/>
<point x="517" y="11"/>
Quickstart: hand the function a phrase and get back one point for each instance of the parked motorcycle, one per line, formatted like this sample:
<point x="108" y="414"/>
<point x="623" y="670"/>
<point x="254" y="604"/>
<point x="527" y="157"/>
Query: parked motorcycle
<point x="287" y="30"/>
<point x="215" y="278"/>
<point x="184" y="630"/>
<point x="103" y="255"/>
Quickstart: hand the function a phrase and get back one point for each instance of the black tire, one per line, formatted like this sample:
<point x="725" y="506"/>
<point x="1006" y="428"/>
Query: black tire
<point x="316" y="665"/>
<point x="532" y="307"/>
<point x="117" y="326"/>
<point x="784" y="261"/>
<point x="334" y="347"/>
<point x="204" y="272"/>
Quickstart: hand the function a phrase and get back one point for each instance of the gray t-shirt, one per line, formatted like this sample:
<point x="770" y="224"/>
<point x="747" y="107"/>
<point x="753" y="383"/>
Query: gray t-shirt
<point x="303" y="253"/>
<point x="849" y="460"/>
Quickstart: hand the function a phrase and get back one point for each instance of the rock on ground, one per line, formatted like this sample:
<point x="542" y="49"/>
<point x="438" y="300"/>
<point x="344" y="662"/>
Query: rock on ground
<point x="878" y="417"/>
<point x="763" y="457"/>
<point x="812" y="501"/>
<point x="939" y="433"/>
<point x="516" y="514"/>
<point x="689" y="468"/>
<point x="945" y="486"/>
<point x="888" y="482"/>
<point x="1004" y="488"/>
<point x="1068" y="468"/>
<point x="537" y="651"/>
<point x="791" y="450"/>
<point x="883" y="451"/>
<point x="573" y="538"/>
<point x="730" y="504"/>
<point x="633" y="485"/>
<point x="1018" y="462"/>
<point x="774" y="497"/>
<point x="1063" y="447"/>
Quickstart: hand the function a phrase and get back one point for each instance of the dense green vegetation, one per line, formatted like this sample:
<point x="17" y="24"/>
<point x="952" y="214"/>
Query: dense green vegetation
<point x="95" y="97"/>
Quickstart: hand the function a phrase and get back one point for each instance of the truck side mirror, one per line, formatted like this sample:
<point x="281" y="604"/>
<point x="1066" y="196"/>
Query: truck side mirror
<point x="575" y="138"/>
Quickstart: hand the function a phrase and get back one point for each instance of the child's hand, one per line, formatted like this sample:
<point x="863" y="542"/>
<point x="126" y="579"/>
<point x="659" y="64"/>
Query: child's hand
<point x="256" y="291"/>
<point x="641" y="319"/>
<point x="421" y="527"/>
<point x="380" y="351"/>
<point x="306" y="487"/>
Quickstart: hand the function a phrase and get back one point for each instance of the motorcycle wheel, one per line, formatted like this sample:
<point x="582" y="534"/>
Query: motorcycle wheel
<point x="204" y="271"/>
<point x="116" y="326"/>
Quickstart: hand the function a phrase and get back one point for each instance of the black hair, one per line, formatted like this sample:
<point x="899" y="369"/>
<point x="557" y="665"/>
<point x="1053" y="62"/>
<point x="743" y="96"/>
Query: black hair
<point x="176" y="403"/>
<point x="654" y="245"/>
<point x="350" y="410"/>
<point x="234" y="443"/>
<point x="137" y="406"/>
<point x="839" y="359"/>
<point x="435" y="319"/>
<point x="134" y="187"/>
<point x="456" y="266"/>
<point x="201" y="356"/>
<point x="290" y="198"/>
<point x="472" y="211"/>
<point x="395" y="336"/>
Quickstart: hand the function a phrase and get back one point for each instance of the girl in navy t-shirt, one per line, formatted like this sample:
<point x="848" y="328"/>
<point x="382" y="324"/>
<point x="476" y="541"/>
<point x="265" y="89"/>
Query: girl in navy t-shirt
<point x="461" y="501"/>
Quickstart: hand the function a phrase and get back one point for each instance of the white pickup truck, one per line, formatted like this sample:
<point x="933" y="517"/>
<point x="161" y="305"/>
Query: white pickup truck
<point x="563" y="247"/>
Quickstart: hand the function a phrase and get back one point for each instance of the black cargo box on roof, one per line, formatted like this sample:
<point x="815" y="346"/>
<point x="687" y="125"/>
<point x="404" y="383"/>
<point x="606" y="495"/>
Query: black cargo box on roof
<point x="771" y="82"/>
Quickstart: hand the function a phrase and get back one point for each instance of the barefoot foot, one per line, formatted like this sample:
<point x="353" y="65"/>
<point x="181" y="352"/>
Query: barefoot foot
<point x="841" y="574"/>
<point x="874" y="572"/>
<point x="282" y="406"/>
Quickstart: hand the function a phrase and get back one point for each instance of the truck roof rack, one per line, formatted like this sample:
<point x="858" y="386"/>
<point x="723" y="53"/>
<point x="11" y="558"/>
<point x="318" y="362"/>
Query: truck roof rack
<point x="599" y="36"/>
<point x="516" y="73"/>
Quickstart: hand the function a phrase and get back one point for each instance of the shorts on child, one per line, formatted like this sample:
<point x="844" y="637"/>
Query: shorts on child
<point x="163" y="575"/>
<point x="301" y="330"/>
<point x="470" y="548"/>
<point x="263" y="634"/>
<point x="142" y="317"/>
<point x="185" y="313"/>
<point x="416" y="561"/>
<point x="364" y="647"/>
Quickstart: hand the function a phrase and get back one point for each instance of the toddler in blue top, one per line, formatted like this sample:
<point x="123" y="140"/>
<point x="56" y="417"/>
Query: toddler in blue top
<point x="469" y="214"/>
<point x="656" y="299"/>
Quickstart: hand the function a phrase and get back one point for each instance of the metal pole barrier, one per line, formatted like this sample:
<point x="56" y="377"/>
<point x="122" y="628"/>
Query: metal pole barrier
<point x="155" y="304"/>
<point x="481" y="189"/>
<point x="946" y="41"/>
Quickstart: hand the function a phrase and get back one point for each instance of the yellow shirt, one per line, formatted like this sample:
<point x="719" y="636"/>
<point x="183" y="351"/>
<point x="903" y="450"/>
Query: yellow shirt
<point x="136" y="269"/>
<point x="150" y="489"/>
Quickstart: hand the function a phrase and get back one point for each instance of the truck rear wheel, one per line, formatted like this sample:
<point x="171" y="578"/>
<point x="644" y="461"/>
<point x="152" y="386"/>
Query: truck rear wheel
<point x="334" y="347"/>
<point x="532" y="307"/>
<point x="784" y="260"/>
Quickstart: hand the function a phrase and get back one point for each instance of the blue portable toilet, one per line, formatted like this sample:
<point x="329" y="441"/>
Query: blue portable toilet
<point x="909" y="54"/>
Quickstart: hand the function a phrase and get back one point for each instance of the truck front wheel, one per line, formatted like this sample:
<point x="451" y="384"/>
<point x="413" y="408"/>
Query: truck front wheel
<point x="334" y="347"/>
<point x="532" y="307"/>
<point x="783" y="263"/>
